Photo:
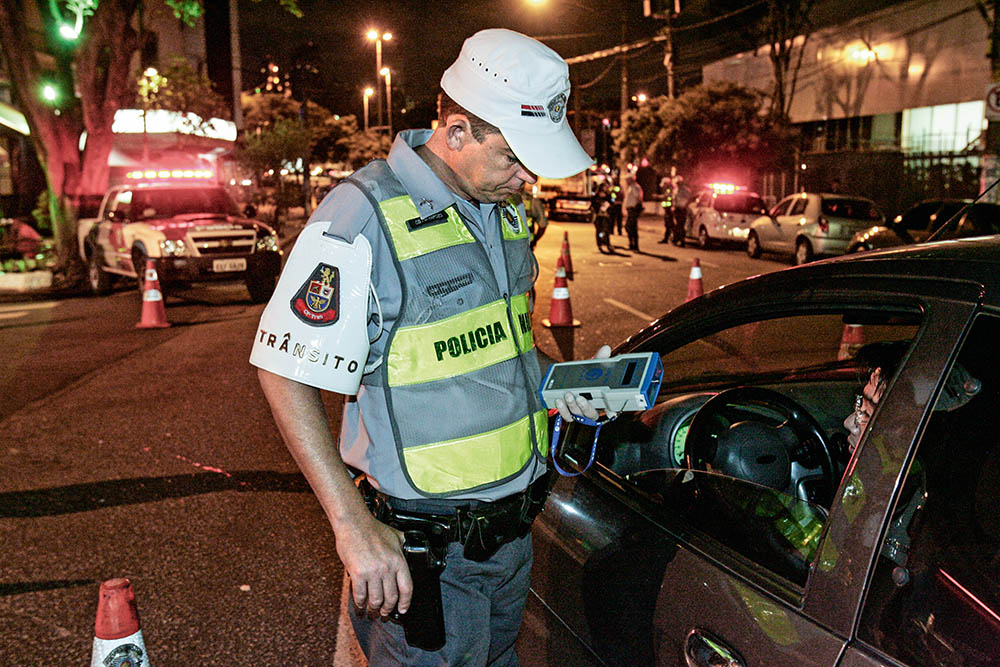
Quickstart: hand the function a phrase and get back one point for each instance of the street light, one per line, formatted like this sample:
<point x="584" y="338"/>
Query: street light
<point x="368" y="93"/>
<point x="388" y="95"/>
<point x="378" y="37"/>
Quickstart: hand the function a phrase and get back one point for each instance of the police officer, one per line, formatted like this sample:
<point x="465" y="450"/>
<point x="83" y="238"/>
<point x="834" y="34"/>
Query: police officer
<point x="447" y="427"/>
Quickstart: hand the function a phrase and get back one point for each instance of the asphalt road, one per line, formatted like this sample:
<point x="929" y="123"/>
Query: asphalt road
<point x="151" y="454"/>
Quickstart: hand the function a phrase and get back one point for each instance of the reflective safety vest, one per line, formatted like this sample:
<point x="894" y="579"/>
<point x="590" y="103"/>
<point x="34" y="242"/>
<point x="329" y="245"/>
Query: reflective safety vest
<point x="460" y="374"/>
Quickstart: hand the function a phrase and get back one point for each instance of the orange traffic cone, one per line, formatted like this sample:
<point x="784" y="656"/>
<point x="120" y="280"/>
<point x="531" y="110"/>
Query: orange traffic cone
<point x="694" y="282"/>
<point x="560" y="310"/>
<point x="564" y="255"/>
<point x="851" y="341"/>
<point x="117" y="637"/>
<point x="154" y="315"/>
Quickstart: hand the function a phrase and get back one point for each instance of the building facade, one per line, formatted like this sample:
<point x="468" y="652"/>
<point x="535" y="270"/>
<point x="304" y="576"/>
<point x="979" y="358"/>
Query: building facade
<point x="889" y="104"/>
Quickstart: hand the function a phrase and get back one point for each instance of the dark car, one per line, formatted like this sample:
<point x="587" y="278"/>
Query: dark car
<point x="915" y="225"/>
<point x="733" y="524"/>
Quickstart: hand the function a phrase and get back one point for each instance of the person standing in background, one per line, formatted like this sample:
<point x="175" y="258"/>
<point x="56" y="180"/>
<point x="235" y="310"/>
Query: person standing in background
<point x="633" y="207"/>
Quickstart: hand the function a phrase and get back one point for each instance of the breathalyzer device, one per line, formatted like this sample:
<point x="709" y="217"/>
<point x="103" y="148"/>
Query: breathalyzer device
<point x="625" y="383"/>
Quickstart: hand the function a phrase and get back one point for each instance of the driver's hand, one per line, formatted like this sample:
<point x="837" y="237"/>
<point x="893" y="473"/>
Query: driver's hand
<point x="571" y="404"/>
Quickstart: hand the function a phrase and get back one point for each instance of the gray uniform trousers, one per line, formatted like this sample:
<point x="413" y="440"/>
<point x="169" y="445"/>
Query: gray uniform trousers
<point x="483" y="604"/>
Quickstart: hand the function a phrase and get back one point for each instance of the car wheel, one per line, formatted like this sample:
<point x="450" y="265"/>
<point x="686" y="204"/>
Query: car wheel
<point x="139" y="262"/>
<point x="261" y="285"/>
<point x="704" y="241"/>
<point x="803" y="252"/>
<point x="753" y="245"/>
<point x="100" y="280"/>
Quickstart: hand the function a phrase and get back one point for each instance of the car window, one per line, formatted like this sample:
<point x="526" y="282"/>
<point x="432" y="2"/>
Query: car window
<point x="798" y="206"/>
<point x="781" y="208"/>
<point x="739" y="202"/>
<point x="979" y="220"/>
<point x="169" y="202"/>
<point x="723" y="402"/>
<point x="854" y="209"/>
<point x="934" y="597"/>
<point x="920" y="217"/>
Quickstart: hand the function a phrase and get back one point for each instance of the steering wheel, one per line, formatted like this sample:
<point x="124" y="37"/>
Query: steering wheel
<point x="753" y="448"/>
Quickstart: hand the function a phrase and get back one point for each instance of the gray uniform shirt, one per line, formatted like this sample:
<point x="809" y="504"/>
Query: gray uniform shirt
<point x="366" y="439"/>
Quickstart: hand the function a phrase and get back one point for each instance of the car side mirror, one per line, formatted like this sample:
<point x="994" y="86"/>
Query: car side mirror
<point x="250" y="211"/>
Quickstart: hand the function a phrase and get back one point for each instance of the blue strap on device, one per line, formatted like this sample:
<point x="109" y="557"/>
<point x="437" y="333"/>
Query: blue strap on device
<point x="557" y="427"/>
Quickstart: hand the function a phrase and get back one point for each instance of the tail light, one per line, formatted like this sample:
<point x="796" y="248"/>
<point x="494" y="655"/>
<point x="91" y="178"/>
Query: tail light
<point x="824" y="224"/>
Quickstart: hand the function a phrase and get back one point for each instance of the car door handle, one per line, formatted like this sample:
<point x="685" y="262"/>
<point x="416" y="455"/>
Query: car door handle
<point x="703" y="649"/>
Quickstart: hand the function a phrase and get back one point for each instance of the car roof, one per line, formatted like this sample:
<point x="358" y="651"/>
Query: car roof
<point x="964" y="269"/>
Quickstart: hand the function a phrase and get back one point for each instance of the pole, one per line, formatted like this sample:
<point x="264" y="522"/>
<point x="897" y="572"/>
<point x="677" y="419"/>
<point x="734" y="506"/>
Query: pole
<point x="378" y="73"/>
<point x="388" y="99"/>
<point x="668" y="57"/>
<point x="237" y="65"/>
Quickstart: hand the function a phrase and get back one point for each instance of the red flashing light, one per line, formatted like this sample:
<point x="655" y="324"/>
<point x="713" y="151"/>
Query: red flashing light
<point x="169" y="174"/>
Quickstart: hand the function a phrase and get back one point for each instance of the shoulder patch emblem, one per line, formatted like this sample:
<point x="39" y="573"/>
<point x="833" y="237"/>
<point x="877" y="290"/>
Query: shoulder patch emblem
<point x="510" y="218"/>
<point x="557" y="108"/>
<point x="317" y="302"/>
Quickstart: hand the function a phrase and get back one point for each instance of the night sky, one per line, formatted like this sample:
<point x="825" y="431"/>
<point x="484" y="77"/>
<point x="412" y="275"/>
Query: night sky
<point x="428" y="34"/>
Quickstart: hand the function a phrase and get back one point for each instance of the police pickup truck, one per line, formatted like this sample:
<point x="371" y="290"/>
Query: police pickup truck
<point x="190" y="227"/>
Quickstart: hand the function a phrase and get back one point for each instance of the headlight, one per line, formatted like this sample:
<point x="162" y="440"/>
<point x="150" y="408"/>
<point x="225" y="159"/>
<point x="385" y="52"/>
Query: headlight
<point x="169" y="247"/>
<point x="267" y="243"/>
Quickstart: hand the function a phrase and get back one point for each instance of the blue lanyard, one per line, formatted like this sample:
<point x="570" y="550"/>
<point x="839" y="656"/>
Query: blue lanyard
<point x="557" y="428"/>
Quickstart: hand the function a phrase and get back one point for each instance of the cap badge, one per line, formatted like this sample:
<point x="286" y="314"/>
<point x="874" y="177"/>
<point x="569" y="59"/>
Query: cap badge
<point x="317" y="302"/>
<point x="557" y="108"/>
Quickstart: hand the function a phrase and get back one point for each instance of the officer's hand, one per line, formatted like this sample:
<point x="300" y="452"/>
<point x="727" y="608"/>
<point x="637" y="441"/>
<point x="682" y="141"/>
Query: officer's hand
<point x="571" y="404"/>
<point x="372" y="554"/>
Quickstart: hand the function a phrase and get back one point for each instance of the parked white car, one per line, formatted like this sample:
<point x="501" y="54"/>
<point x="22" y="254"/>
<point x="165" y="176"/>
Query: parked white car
<point x="723" y="216"/>
<point x="809" y="225"/>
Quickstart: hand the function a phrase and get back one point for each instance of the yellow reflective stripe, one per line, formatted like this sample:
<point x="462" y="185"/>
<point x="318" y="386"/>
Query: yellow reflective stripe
<point x="455" y="345"/>
<point x="542" y="429"/>
<point x="509" y="234"/>
<point x="465" y="463"/>
<point x="424" y="239"/>
<point x="521" y="310"/>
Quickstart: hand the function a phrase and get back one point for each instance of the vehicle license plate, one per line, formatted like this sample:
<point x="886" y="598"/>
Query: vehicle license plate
<point x="223" y="265"/>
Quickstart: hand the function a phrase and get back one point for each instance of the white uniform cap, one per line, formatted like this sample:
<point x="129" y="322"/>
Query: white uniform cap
<point x="522" y="87"/>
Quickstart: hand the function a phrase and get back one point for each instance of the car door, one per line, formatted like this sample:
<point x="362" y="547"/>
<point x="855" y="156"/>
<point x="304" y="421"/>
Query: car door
<point x="786" y="226"/>
<point x="768" y="230"/>
<point x="642" y="560"/>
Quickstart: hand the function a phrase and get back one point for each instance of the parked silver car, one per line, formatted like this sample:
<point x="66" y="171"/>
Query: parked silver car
<point x="809" y="225"/>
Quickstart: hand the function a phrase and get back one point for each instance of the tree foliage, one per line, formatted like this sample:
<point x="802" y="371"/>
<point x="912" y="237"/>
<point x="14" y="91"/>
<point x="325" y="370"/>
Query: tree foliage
<point x="96" y="66"/>
<point x="707" y="130"/>
<point x="178" y="87"/>
<point x="785" y="29"/>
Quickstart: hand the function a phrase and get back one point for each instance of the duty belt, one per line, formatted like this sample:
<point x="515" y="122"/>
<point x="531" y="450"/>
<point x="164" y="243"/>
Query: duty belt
<point x="481" y="527"/>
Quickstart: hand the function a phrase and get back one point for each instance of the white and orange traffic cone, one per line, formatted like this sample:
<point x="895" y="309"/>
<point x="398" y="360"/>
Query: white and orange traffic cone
<point x="560" y="310"/>
<point x="695" y="288"/>
<point x="851" y="341"/>
<point x="564" y="255"/>
<point x="154" y="315"/>
<point x="117" y="636"/>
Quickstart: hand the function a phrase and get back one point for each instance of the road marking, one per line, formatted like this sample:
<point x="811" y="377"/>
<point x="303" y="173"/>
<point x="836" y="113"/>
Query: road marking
<point x="14" y="311"/>
<point x="629" y="309"/>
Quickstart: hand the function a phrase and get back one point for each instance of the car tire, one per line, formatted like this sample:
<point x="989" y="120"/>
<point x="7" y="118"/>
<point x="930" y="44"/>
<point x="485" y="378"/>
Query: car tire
<point x="803" y="252"/>
<point x="260" y="285"/>
<point x="704" y="241"/>
<point x="100" y="281"/>
<point x="139" y="262"/>
<point x="753" y="245"/>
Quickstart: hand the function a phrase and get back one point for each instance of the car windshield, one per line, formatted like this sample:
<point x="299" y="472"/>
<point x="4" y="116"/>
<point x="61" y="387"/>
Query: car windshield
<point x="170" y="202"/>
<point x="854" y="209"/>
<point x="740" y="202"/>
